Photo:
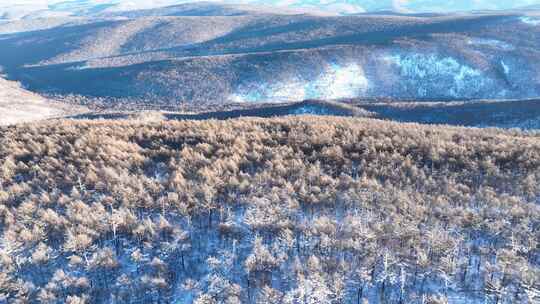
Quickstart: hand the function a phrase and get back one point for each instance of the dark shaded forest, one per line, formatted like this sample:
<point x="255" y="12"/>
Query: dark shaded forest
<point x="284" y="210"/>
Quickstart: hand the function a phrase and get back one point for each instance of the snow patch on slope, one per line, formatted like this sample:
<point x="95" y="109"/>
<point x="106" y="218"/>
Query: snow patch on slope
<point x="19" y="105"/>
<point x="491" y="43"/>
<point x="530" y="20"/>
<point x="335" y="82"/>
<point x="505" y="67"/>
<point x="434" y="76"/>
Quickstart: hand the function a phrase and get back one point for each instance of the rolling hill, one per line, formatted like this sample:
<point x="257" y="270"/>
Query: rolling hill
<point x="164" y="57"/>
<point x="26" y="9"/>
<point x="278" y="210"/>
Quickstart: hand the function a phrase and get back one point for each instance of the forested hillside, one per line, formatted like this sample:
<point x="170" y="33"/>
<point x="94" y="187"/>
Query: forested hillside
<point x="214" y="54"/>
<point x="284" y="210"/>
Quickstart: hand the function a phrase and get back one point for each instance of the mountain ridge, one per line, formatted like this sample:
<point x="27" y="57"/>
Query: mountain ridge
<point x="30" y="9"/>
<point x="262" y="58"/>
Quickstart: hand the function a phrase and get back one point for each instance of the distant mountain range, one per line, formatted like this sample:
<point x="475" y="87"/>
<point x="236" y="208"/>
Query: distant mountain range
<point x="201" y="53"/>
<point x="18" y="9"/>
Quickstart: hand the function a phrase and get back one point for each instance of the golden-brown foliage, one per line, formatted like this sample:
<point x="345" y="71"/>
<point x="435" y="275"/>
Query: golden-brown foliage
<point x="137" y="208"/>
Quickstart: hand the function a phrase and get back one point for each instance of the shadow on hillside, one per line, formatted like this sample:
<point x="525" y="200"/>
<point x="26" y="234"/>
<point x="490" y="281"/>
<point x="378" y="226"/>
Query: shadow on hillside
<point x="385" y="36"/>
<point x="524" y="114"/>
<point x="312" y="107"/>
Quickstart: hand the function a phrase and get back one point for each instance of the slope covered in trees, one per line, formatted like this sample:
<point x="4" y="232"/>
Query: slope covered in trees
<point x="284" y="210"/>
<point x="186" y="55"/>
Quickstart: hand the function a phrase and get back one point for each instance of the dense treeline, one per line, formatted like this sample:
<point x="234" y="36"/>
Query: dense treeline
<point x="285" y="210"/>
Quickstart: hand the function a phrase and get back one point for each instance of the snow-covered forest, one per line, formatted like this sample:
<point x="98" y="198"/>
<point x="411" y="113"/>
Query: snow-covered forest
<point x="283" y="210"/>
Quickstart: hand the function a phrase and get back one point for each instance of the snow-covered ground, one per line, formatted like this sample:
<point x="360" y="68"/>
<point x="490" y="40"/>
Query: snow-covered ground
<point x="534" y="21"/>
<point x="336" y="81"/>
<point x="402" y="73"/>
<point x="434" y="75"/>
<point x="18" y="105"/>
<point x="492" y="43"/>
